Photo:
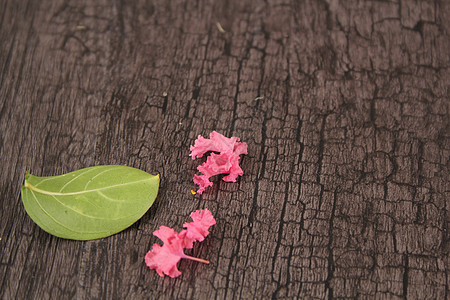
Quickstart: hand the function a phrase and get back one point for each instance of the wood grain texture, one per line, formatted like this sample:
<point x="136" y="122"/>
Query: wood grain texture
<point x="344" y="106"/>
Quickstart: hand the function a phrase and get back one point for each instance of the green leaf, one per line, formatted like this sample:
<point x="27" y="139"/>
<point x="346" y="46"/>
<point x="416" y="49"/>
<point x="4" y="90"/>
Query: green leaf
<point x="89" y="203"/>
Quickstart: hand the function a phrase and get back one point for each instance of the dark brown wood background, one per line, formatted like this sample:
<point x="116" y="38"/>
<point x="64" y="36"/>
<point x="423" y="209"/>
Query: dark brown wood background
<point x="344" y="106"/>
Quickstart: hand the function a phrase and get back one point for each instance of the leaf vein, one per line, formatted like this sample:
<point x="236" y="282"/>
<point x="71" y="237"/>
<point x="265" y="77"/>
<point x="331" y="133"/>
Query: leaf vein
<point x="109" y="198"/>
<point x="107" y="170"/>
<point x="71" y="180"/>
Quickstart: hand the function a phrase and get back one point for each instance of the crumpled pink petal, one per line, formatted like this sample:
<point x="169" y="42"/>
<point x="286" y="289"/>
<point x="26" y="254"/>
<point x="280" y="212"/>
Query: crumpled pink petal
<point x="203" y="182"/>
<point x="240" y="148"/>
<point x="198" y="229"/>
<point x="234" y="172"/>
<point x="226" y="162"/>
<point x="216" y="142"/>
<point x="164" y="258"/>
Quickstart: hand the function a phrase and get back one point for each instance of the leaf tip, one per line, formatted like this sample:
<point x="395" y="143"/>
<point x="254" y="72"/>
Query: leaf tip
<point x="27" y="175"/>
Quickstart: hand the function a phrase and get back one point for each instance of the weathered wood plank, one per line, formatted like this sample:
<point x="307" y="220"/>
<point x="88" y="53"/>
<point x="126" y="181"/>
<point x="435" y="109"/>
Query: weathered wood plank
<point x="344" y="106"/>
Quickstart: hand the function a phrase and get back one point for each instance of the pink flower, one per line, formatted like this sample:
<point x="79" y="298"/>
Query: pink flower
<point x="226" y="162"/>
<point x="164" y="258"/>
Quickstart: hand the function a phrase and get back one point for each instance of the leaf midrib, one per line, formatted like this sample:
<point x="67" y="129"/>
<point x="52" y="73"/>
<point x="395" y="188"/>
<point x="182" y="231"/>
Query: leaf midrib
<point x="38" y="190"/>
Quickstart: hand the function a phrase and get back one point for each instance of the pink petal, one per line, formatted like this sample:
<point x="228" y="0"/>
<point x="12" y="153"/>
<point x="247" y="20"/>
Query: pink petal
<point x="222" y="143"/>
<point x="203" y="182"/>
<point x="199" y="228"/>
<point x="217" y="164"/>
<point x="201" y="146"/>
<point x="227" y="163"/>
<point x="240" y="148"/>
<point x="171" y="239"/>
<point x="216" y="142"/>
<point x="163" y="261"/>
<point x="234" y="172"/>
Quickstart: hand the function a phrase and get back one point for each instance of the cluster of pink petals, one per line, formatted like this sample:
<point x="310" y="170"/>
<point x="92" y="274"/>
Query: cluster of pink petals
<point x="225" y="161"/>
<point x="164" y="258"/>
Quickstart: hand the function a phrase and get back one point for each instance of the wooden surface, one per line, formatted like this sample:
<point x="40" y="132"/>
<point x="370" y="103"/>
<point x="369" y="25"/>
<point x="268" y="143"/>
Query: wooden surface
<point x="346" y="186"/>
